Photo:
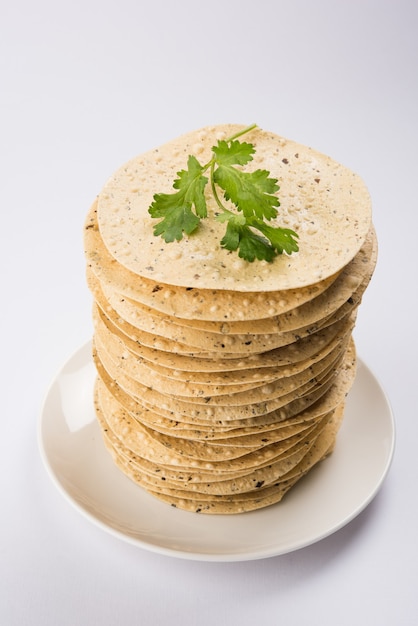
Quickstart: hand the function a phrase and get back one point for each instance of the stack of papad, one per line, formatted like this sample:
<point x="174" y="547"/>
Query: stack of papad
<point x="221" y="382"/>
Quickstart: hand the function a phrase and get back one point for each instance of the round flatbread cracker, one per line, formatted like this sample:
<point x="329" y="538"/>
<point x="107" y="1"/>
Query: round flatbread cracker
<point x="324" y="202"/>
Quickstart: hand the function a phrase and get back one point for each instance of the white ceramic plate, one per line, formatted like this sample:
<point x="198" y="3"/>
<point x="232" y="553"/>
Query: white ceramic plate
<point x="329" y="497"/>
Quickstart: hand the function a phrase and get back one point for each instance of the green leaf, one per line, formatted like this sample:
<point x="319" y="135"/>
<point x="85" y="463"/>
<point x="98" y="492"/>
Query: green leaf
<point x="192" y="183"/>
<point x="233" y="152"/>
<point x="176" y="208"/>
<point x="176" y="221"/>
<point x="231" y="239"/>
<point x="250" y="246"/>
<point x="251" y="192"/>
<point x="281" y="239"/>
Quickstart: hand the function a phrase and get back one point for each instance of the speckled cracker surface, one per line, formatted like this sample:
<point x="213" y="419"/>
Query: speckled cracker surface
<point x="327" y="204"/>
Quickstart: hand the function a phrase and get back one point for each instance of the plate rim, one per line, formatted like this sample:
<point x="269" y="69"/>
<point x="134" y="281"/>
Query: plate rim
<point x="196" y="555"/>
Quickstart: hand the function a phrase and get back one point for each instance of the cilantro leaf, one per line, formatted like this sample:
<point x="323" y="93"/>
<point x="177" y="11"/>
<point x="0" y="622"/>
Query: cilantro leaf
<point x="233" y="152"/>
<point x="281" y="239"/>
<point x="176" y="208"/>
<point x="177" y="219"/>
<point x="251" y="192"/>
<point x="191" y="183"/>
<point x="250" y="246"/>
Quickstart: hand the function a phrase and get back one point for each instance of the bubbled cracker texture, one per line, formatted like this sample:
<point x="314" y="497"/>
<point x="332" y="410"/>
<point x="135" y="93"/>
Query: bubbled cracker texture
<point x="221" y="383"/>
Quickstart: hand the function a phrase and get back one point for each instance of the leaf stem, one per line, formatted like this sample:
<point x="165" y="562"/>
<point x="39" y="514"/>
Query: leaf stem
<point x="213" y="186"/>
<point x="244" y="131"/>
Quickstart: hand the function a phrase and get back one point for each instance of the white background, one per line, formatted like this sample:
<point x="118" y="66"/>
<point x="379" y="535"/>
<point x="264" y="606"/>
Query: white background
<point x="86" y="85"/>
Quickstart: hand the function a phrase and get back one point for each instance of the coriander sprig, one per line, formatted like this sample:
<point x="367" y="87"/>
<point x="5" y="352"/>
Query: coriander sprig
<point x="252" y="194"/>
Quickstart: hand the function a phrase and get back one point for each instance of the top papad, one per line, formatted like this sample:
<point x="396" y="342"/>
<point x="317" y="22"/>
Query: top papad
<point x="327" y="204"/>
